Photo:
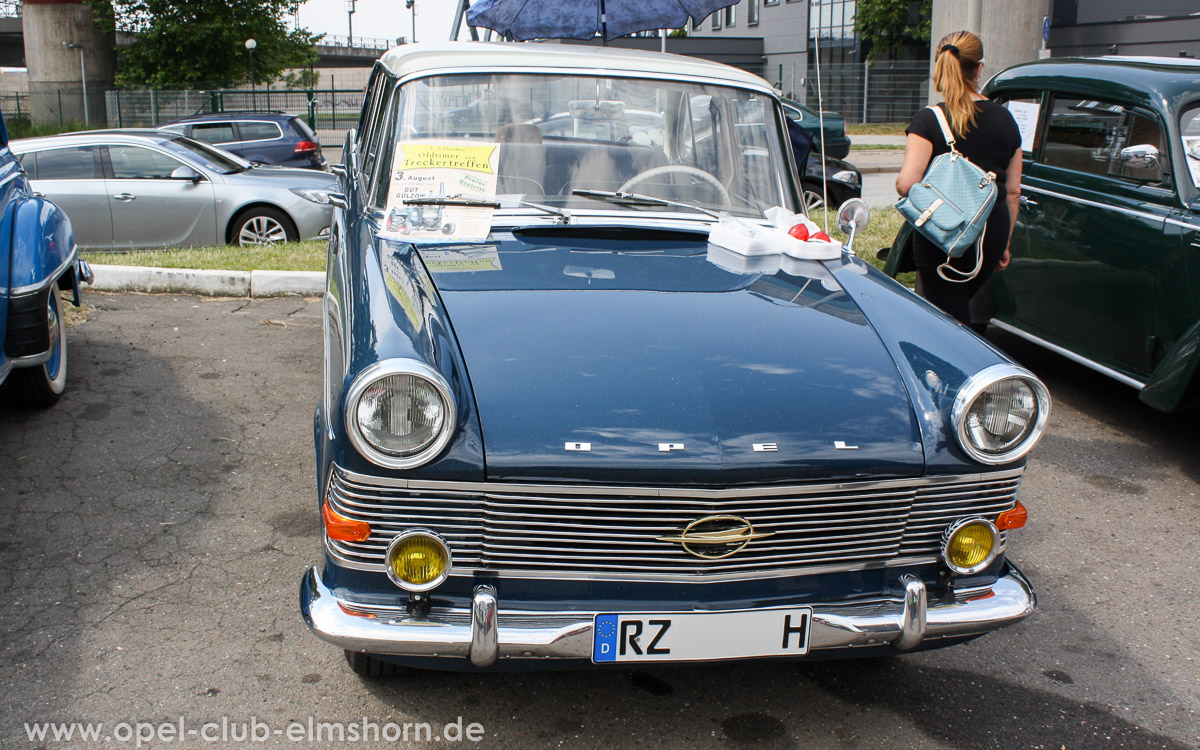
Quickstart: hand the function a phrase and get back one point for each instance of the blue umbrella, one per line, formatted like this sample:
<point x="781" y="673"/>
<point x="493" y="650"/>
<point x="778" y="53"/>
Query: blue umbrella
<point x="582" y="19"/>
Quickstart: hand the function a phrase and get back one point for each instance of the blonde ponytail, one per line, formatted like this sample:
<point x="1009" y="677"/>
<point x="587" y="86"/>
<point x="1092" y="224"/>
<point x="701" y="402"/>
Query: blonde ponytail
<point x="954" y="72"/>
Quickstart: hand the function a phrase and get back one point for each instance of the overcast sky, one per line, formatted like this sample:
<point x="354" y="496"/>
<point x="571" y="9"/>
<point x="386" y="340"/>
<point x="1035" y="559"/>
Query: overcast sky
<point x="380" y="19"/>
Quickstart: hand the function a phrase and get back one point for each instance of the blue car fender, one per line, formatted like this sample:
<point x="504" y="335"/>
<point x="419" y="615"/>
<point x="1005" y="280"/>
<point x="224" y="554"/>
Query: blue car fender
<point x="43" y="245"/>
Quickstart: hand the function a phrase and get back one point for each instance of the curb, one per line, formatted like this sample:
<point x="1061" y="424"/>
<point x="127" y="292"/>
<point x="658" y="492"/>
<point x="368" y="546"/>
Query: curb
<point x="208" y="283"/>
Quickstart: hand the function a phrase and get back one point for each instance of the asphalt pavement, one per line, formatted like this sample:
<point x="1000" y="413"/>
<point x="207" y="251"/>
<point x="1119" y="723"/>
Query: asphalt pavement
<point x="159" y="517"/>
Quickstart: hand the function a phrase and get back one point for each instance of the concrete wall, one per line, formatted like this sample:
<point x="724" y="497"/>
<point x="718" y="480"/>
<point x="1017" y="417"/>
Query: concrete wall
<point x="48" y="28"/>
<point x="1011" y="31"/>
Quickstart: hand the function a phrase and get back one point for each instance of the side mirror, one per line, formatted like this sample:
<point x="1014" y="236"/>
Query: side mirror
<point x="1143" y="156"/>
<point x="186" y="173"/>
<point x="852" y="218"/>
<point x="1141" y="162"/>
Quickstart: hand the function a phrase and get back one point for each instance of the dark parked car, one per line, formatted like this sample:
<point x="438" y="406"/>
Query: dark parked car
<point x="261" y="137"/>
<point x="837" y="143"/>
<point x="574" y="431"/>
<point x="38" y="260"/>
<point x="1106" y="254"/>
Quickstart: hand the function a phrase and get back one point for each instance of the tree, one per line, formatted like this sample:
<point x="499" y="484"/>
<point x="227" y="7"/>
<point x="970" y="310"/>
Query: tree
<point x="885" y="26"/>
<point x="197" y="43"/>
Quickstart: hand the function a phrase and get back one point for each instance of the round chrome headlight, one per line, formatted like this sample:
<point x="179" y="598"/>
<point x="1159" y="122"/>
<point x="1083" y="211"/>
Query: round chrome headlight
<point x="399" y="413"/>
<point x="1000" y="413"/>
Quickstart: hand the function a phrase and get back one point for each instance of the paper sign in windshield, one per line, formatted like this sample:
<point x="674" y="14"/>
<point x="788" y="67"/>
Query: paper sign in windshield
<point x="450" y="170"/>
<point x="1026" y="115"/>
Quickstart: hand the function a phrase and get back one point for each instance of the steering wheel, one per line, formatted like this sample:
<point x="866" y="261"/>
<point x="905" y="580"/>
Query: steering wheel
<point x="678" y="169"/>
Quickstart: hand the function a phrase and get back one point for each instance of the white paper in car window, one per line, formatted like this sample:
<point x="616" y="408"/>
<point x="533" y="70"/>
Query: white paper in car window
<point x="1191" y="145"/>
<point x="1026" y="115"/>
<point x="450" y="169"/>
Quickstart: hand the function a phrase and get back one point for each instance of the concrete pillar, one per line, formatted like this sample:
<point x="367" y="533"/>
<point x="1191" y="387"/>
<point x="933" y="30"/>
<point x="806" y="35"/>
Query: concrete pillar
<point x="55" y="70"/>
<point x="1011" y="31"/>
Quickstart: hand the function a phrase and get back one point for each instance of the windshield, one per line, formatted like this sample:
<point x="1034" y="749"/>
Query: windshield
<point x="212" y="158"/>
<point x="546" y="136"/>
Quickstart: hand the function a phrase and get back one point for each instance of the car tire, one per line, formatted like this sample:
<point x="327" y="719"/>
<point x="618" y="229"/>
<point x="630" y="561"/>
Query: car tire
<point x="262" y="226"/>
<point x="40" y="386"/>
<point x="813" y="199"/>
<point x="365" y="665"/>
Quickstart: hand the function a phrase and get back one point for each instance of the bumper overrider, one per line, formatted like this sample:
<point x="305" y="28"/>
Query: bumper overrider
<point x="486" y="632"/>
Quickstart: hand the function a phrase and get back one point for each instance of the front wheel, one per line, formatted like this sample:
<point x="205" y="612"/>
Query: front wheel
<point x="40" y="386"/>
<point x="263" y="226"/>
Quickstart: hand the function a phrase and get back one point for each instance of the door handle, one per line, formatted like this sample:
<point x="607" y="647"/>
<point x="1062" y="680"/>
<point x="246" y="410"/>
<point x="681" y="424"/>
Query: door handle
<point x="1026" y="203"/>
<point x="124" y="197"/>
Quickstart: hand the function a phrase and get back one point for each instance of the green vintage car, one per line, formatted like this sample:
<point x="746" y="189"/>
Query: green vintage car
<point x="1106" y="253"/>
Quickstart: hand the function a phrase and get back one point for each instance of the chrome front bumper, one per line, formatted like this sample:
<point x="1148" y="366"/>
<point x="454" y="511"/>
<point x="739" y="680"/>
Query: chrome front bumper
<point x="485" y="632"/>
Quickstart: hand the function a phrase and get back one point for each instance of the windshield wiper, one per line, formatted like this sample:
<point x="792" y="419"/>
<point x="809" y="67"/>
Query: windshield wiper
<point x="459" y="200"/>
<point x="637" y="199"/>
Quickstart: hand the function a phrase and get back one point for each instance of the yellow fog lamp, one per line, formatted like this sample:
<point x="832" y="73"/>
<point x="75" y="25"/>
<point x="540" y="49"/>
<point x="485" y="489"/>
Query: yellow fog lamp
<point x="417" y="560"/>
<point x="969" y="545"/>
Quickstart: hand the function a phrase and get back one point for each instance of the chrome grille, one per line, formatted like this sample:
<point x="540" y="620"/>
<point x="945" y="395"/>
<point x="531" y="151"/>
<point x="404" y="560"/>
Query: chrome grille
<point x="565" y="529"/>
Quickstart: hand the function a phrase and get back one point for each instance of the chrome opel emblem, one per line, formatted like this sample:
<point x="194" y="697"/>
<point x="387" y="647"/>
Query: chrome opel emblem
<point x="714" y="537"/>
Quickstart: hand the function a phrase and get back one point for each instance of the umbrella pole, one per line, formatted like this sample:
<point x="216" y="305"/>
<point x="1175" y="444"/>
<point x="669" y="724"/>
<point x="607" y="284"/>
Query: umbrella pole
<point x="603" y="26"/>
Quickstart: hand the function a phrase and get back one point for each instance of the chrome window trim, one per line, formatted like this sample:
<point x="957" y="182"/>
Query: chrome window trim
<point x="1077" y="358"/>
<point x="1096" y="204"/>
<point x="974" y="386"/>
<point x="673" y="492"/>
<point x="766" y="89"/>
<point x="52" y="278"/>
<point x="60" y="147"/>
<point x="399" y="367"/>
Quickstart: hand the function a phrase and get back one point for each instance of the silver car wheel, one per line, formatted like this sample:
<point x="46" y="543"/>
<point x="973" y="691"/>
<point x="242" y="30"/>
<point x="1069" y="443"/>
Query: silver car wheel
<point x="813" y="200"/>
<point x="262" y="230"/>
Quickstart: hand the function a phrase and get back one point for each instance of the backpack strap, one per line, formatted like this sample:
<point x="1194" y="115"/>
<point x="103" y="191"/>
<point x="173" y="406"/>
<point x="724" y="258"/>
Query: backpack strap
<point x="946" y="132"/>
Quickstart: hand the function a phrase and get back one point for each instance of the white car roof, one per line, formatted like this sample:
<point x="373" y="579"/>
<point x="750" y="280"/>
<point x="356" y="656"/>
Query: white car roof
<point x="464" y="57"/>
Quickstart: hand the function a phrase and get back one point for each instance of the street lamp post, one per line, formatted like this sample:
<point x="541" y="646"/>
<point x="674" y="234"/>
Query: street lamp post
<point x="87" y="121"/>
<point x="412" y="5"/>
<point x="250" y="45"/>
<point x="350" y="21"/>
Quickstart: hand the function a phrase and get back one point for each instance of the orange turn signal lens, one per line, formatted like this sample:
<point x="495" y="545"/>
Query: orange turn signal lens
<point x="342" y="529"/>
<point x="1012" y="519"/>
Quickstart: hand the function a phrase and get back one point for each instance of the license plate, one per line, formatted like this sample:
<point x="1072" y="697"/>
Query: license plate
<point x="701" y="636"/>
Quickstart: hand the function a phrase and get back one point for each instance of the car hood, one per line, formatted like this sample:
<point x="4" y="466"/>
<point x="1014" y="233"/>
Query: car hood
<point x="285" y="177"/>
<point x="664" y="362"/>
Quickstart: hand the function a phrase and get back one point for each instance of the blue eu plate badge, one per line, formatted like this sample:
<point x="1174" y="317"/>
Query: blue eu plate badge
<point x="605" y="645"/>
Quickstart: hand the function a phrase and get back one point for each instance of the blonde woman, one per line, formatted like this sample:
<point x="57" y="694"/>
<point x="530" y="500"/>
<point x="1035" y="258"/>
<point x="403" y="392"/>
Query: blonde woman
<point x="986" y="134"/>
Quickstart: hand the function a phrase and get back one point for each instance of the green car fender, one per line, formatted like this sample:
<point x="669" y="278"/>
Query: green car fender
<point x="899" y="256"/>
<point x="1169" y="383"/>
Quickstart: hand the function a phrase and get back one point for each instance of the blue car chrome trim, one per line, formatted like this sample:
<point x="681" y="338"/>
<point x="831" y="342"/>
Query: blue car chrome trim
<point x="384" y="369"/>
<point x="487" y="632"/>
<point x="1077" y="358"/>
<point x="608" y="533"/>
<point x="50" y="279"/>
<point x="971" y="390"/>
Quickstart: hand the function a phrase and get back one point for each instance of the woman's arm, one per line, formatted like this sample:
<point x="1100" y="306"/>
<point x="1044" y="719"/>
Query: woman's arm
<point x="917" y="153"/>
<point x="1013" y="195"/>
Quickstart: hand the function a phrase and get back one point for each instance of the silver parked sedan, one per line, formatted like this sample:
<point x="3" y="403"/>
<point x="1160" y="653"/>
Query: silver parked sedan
<point x="148" y="188"/>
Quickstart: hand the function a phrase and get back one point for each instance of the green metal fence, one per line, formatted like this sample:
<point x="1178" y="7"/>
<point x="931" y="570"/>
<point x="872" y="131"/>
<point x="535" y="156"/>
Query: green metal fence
<point x="324" y="109"/>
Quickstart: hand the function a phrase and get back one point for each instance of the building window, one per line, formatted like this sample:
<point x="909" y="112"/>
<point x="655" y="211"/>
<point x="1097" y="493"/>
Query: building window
<point x="716" y="20"/>
<point x="770" y="2"/>
<point x="730" y="16"/>
<point x="831" y="24"/>
<point x="751" y="12"/>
